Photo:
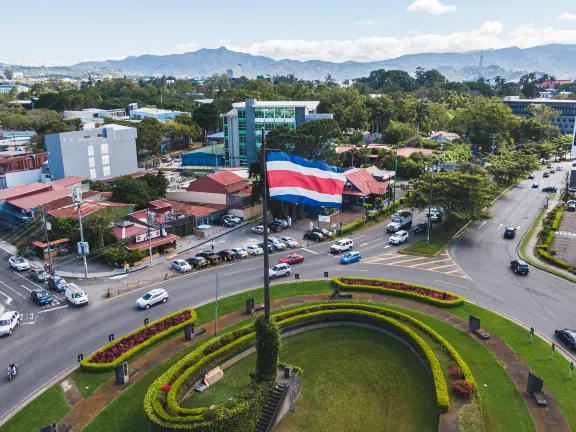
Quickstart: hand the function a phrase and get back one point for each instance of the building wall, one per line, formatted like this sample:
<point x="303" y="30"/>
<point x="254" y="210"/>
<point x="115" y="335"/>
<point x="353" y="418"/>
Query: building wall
<point x="200" y="197"/>
<point x="18" y="178"/>
<point x="202" y="159"/>
<point x="566" y="120"/>
<point x="96" y="154"/>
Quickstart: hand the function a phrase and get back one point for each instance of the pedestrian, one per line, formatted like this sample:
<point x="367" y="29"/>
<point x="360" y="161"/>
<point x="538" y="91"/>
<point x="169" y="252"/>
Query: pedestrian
<point x="212" y="245"/>
<point x="126" y="267"/>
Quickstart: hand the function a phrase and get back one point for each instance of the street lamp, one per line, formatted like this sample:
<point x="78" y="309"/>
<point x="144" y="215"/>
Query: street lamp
<point x="430" y="204"/>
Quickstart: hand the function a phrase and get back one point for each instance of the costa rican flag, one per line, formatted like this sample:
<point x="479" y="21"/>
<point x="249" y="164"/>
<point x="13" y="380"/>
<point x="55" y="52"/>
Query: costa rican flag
<point x="298" y="180"/>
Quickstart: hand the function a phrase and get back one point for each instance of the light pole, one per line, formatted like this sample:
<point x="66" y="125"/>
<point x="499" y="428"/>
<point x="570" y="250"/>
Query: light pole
<point x="395" y="174"/>
<point x="77" y="199"/>
<point x="150" y="219"/>
<point x="265" y="223"/>
<point x="216" y="305"/>
<point x="430" y="204"/>
<point x="48" y="238"/>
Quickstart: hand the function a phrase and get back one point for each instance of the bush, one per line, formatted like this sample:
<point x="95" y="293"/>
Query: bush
<point x="455" y="371"/>
<point x="546" y="256"/>
<point x="463" y="388"/>
<point x="120" y="350"/>
<point x="400" y="289"/>
<point x="267" y="349"/>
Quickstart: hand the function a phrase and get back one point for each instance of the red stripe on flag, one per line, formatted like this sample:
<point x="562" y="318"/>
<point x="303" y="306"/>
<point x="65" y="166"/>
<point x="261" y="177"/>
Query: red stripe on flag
<point x="279" y="178"/>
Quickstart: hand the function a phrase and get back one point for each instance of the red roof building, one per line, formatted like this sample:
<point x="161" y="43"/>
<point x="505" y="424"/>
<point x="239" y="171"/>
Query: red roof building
<point x="224" y="182"/>
<point x="361" y="187"/>
<point x="407" y="151"/>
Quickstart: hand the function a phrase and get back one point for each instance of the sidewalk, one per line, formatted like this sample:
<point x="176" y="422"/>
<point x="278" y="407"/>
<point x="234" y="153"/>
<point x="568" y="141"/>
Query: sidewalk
<point x="545" y="419"/>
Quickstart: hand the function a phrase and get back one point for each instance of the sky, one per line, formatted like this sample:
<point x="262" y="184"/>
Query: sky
<point x="63" y="32"/>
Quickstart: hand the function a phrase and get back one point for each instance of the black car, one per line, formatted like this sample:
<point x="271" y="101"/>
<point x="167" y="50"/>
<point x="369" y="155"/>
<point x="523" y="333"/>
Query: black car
<point x="41" y="297"/>
<point x="546" y="174"/>
<point x="568" y="336"/>
<point x="38" y="275"/>
<point x="275" y="226"/>
<point x="197" y="262"/>
<point x="227" y="255"/>
<point x="531" y="177"/>
<point x="313" y="235"/>
<point x="270" y="247"/>
<point x="549" y="189"/>
<point x="421" y="227"/>
<point x="57" y="283"/>
<point x="224" y="222"/>
<point x="520" y="266"/>
<point x="510" y="232"/>
<point x="571" y="206"/>
<point x="322" y="231"/>
<point x="210" y="257"/>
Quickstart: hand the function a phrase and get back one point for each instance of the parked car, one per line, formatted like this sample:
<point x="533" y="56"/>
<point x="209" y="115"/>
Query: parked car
<point x="41" y="297"/>
<point x="546" y="174"/>
<point x="157" y="295"/>
<point x="289" y="241"/>
<point x="254" y="250"/>
<point x="233" y="218"/>
<point x="38" y="275"/>
<point x="421" y="227"/>
<point x="572" y="206"/>
<point x="568" y="336"/>
<point x="531" y="177"/>
<point x="312" y="235"/>
<point x="240" y="252"/>
<point x="558" y="168"/>
<point x="57" y="283"/>
<point x="292" y="259"/>
<point x="19" y="263"/>
<point x="224" y="222"/>
<point x="227" y="255"/>
<point x="324" y="232"/>
<point x="342" y="245"/>
<point x="535" y="185"/>
<point x="259" y="229"/>
<point x="75" y="295"/>
<point x="398" y="237"/>
<point x="282" y="222"/>
<point x="210" y="257"/>
<point x="276" y="243"/>
<point x="552" y="171"/>
<point x="197" y="262"/>
<point x="8" y="322"/>
<point x="350" y="257"/>
<point x="572" y="188"/>
<point x="520" y="266"/>
<point x="279" y="270"/>
<point x="510" y="232"/>
<point x="549" y="166"/>
<point x="275" y="226"/>
<point x="549" y="189"/>
<point x="270" y="247"/>
<point x="181" y="266"/>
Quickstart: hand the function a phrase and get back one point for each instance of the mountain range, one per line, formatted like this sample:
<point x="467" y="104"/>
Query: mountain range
<point x="557" y="60"/>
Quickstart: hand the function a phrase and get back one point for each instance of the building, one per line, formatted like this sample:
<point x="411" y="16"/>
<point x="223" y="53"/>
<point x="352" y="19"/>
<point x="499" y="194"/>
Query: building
<point x="212" y="155"/>
<point x="407" y="151"/>
<point x="363" y="188"/>
<point x="23" y="170"/>
<point x="16" y="88"/>
<point x="96" y="113"/>
<point x="96" y="154"/>
<point x="111" y="211"/>
<point x="548" y="84"/>
<point x="442" y="136"/>
<point x="235" y="72"/>
<point x="244" y="123"/>
<point x="567" y="108"/>
<point x="158" y="114"/>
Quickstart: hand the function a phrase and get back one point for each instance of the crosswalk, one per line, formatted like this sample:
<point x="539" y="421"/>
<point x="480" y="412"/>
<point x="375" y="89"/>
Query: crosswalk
<point x="565" y="233"/>
<point x="442" y="264"/>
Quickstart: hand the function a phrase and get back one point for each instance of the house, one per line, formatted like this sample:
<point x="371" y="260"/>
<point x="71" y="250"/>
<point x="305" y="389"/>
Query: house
<point x="441" y="136"/>
<point x="137" y="236"/>
<point x="159" y="114"/>
<point x="174" y="219"/>
<point x="407" y="151"/>
<point x="362" y="188"/>
<point x="212" y="155"/>
<point x="380" y="175"/>
<point x="23" y="170"/>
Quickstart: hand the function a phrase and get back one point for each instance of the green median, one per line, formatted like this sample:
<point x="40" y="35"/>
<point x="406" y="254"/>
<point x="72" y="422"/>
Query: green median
<point x="439" y="239"/>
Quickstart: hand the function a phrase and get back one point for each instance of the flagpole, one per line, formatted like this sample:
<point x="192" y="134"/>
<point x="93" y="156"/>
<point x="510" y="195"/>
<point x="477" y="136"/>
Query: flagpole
<point x="265" y="223"/>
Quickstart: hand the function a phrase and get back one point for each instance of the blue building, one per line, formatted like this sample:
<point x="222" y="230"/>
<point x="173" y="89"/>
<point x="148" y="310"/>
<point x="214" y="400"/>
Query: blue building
<point x="158" y="114"/>
<point x="212" y="155"/>
<point x="565" y="121"/>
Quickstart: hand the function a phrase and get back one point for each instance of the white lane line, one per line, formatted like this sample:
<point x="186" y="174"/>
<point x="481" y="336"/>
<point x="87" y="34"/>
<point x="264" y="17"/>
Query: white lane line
<point x="522" y="209"/>
<point x="483" y="223"/>
<point x="239" y="271"/>
<point x="516" y="199"/>
<point x="501" y="225"/>
<point x="28" y="280"/>
<point x="371" y="247"/>
<point x="12" y="289"/>
<point x="373" y="241"/>
<point x="387" y="246"/>
<point x="308" y="250"/>
<point x="8" y="298"/>
<point x="506" y="209"/>
<point x="356" y="238"/>
<point x="357" y="270"/>
<point x="496" y="220"/>
<point x="448" y="283"/>
<point x="52" y="309"/>
<point x="28" y="289"/>
<point x="530" y="200"/>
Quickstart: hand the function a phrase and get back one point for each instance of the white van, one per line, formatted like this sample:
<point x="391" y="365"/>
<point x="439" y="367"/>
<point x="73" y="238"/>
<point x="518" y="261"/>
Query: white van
<point x="75" y="295"/>
<point x="342" y="245"/>
<point x="8" y="322"/>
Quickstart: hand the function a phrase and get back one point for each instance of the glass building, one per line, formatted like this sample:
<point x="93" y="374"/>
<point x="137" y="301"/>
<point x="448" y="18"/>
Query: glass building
<point x="567" y="108"/>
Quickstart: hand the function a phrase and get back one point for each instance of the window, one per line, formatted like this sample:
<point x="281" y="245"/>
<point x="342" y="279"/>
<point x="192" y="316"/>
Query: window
<point x="259" y="113"/>
<point x="243" y="163"/>
<point x="243" y="151"/>
<point x="105" y="160"/>
<point x="91" y="162"/>
<point x="104" y="149"/>
<point x="90" y="150"/>
<point x="242" y="139"/>
<point x="359" y="200"/>
<point x="241" y="113"/>
<point x="93" y="173"/>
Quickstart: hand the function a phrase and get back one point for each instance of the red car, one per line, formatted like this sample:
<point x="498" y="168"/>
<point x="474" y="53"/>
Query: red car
<point x="292" y="259"/>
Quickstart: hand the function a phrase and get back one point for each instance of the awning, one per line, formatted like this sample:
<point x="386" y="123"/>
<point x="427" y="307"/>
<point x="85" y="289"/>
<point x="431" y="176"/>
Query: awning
<point x="158" y="241"/>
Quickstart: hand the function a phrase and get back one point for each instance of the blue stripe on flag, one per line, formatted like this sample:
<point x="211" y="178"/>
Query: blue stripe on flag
<point x="306" y="201"/>
<point x="279" y="156"/>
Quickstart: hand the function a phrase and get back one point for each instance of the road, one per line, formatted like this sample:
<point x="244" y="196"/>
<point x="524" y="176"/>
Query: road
<point x="475" y="267"/>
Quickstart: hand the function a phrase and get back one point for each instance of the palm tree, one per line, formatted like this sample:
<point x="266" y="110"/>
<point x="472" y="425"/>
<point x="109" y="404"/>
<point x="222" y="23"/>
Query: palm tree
<point x="419" y="114"/>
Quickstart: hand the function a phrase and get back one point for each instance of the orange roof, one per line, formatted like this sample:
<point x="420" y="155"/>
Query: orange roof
<point x="344" y="149"/>
<point x="407" y="151"/>
<point x="36" y="200"/>
<point x="158" y="241"/>
<point x="88" y="207"/>
<point x="68" y="181"/>
<point x="226" y="178"/>
<point x="52" y="243"/>
<point x="24" y="189"/>
<point x="363" y="180"/>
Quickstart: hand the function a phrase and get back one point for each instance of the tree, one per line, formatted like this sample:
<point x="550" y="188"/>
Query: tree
<point x="207" y="117"/>
<point x="99" y="186"/>
<point x="131" y="191"/>
<point x="314" y="139"/>
<point x="16" y="122"/>
<point x="420" y="114"/>
<point x="381" y="110"/>
<point x="8" y="72"/>
<point x="397" y="132"/>
<point x="562" y="145"/>
<point x="463" y="195"/>
<point x="150" y="135"/>
<point x="157" y="184"/>
<point x="98" y="232"/>
<point x="510" y="166"/>
<point x="529" y="85"/>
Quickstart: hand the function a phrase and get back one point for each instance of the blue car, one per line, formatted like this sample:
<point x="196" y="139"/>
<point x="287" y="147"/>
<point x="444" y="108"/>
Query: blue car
<point x="350" y="257"/>
<point x="41" y="297"/>
<point x="535" y="185"/>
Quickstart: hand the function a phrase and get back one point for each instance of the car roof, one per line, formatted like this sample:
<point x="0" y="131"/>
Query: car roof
<point x="345" y="240"/>
<point x="156" y="291"/>
<point x="401" y="232"/>
<point x="7" y="315"/>
<point x="521" y="262"/>
<point x="510" y="228"/>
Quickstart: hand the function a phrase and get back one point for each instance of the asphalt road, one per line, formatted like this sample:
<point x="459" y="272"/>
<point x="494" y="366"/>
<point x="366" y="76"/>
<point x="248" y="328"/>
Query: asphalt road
<point x="477" y="267"/>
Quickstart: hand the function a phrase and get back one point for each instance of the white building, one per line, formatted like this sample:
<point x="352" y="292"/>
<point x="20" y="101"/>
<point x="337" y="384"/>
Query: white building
<point x="18" y="88"/>
<point x="96" y="113"/>
<point x="159" y="114"/>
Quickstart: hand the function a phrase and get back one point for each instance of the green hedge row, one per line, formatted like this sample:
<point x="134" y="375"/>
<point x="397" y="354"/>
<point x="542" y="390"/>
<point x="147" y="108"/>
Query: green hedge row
<point x="164" y="412"/>
<point x="398" y="293"/>
<point x="105" y="367"/>
<point x="557" y="218"/>
<point x="551" y="259"/>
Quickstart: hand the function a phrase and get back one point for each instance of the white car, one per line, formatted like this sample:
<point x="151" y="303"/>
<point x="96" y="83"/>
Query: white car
<point x="259" y="229"/>
<point x="181" y="266"/>
<point x="240" y="253"/>
<point x="276" y="243"/>
<point x="8" y="322"/>
<point x="342" y="245"/>
<point x="232" y="218"/>
<point x="75" y="295"/>
<point x="398" y="237"/>
<point x="19" y="263"/>
<point x="157" y="295"/>
<point x="254" y="250"/>
<point x="279" y="270"/>
<point x="289" y="241"/>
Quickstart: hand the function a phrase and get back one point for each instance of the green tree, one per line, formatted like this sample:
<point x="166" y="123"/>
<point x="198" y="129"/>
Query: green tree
<point x="98" y="232"/>
<point x="157" y="184"/>
<point x="150" y="135"/>
<point x="131" y="191"/>
<point x="419" y="114"/>
<point x="99" y="185"/>
<point x="8" y="72"/>
<point x="207" y="117"/>
<point x="510" y="166"/>
<point x="16" y="122"/>
<point x="397" y="132"/>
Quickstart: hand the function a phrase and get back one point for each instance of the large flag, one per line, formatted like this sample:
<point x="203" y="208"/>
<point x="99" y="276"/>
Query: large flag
<point x="298" y="180"/>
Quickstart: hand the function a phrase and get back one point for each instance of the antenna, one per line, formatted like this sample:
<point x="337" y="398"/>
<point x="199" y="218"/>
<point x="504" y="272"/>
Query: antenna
<point x="481" y="66"/>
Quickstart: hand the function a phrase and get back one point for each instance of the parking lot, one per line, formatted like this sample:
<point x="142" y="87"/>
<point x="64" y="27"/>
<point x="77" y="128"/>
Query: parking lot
<point x="565" y="240"/>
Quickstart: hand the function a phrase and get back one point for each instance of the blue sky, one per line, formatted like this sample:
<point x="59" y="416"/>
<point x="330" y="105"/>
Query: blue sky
<point x="60" y="32"/>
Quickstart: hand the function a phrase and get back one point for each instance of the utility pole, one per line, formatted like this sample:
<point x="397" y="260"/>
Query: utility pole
<point x="395" y="174"/>
<point x="47" y="238"/>
<point x="430" y="206"/>
<point x="265" y="223"/>
<point x="77" y="198"/>
<point x="150" y="220"/>
<point x="216" y="306"/>
<point x="566" y="190"/>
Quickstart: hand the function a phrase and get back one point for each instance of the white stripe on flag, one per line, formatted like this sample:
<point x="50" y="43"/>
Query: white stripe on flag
<point x="317" y="196"/>
<point x="291" y="166"/>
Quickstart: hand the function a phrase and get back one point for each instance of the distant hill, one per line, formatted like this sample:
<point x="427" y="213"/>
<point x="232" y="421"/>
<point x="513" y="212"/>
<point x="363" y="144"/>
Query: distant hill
<point x="557" y="60"/>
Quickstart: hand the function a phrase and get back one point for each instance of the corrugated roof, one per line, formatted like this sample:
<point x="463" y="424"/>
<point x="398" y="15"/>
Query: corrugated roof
<point x="363" y="180"/>
<point x="88" y="207"/>
<point x="68" y="181"/>
<point x="24" y="189"/>
<point x="407" y="151"/>
<point x="226" y="178"/>
<point x="39" y="199"/>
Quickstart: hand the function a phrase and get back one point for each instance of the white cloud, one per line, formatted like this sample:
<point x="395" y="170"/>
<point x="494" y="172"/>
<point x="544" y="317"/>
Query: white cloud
<point x="35" y="62"/>
<point x="433" y="7"/>
<point x="188" y="47"/>
<point x="369" y="23"/>
<point x="529" y="35"/>
<point x="567" y="16"/>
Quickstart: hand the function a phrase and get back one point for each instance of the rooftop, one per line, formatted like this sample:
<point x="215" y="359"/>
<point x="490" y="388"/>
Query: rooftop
<point x="407" y="151"/>
<point x="155" y="111"/>
<point x="68" y="181"/>
<point x="217" y="149"/>
<point x="226" y="178"/>
<point x="23" y="189"/>
<point x="363" y="180"/>
<point x="39" y="199"/>
<point x="540" y="100"/>
<point x="310" y="105"/>
<point x="87" y="207"/>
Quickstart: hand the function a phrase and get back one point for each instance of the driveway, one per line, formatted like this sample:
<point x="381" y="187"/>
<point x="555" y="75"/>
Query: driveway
<point x="565" y="240"/>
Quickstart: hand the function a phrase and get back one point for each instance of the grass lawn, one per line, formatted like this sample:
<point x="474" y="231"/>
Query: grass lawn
<point x="358" y="380"/>
<point x="48" y="407"/>
<point x="537" y="355"/>
<point x="439" y="238"/>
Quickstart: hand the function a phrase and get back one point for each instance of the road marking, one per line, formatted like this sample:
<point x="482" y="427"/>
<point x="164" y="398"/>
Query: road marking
<point x="122" y="276"/>
<point x="481" y="225"/>
<point x="51" y="309"/>
<point x="28" y="280"/>
<point x="507" y="208"/>
<point x="373" y="241"/>
<point x="521" y="209"/>
<point x="499" y="227"/>
<point x="8" y="298"/>
<point x="448" y="283"/>
<point x="408" y="260"/>
<point x="308" y="250"/>
<point x="357" y="270"/>
<point x="387" y="246"/>
<point x="496" y="220"/>
<point x="356" y="238"/>
<point x="530" y="200"/>
<point x="439" y="267"/>
<point x="516" y="199"/>
<point x="12" y="289"/>
<point x="428" y="262"/>
<point x="239" y="271"/>
<point x="28" y="289"/>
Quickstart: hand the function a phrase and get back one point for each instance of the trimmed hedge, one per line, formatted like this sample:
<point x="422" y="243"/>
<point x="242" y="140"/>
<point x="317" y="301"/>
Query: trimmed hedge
<point x="551" y="259"/>
<point x="105" y="367"/>
<point x="455" y="301"/>
<point x="162" y="406"/>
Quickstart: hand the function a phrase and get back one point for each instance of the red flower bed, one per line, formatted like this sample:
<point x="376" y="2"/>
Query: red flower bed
<point x="463" y="388"/>
<point x="455" y="371"/>
<point x="113" y="352"/>
<point x="400" y="287"/>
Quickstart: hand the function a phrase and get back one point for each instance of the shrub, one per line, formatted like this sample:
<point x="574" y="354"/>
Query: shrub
<point x="547" y="256"/>
<point x="388" y="287"/>
<point x="455" y="371"/>
<point x="463" y="388"/>
<point x="267" y="348"/>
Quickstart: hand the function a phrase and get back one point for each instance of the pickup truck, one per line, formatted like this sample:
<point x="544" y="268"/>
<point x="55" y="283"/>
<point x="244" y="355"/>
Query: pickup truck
<point x="400" y="221"/>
